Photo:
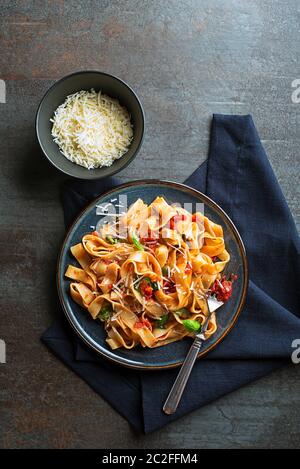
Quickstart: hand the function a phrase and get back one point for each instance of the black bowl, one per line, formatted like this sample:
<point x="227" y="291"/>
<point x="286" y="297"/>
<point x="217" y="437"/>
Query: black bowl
<point x="56" y="95"/>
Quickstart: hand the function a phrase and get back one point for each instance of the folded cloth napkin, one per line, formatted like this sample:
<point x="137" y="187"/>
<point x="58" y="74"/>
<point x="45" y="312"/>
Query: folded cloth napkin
<point x="238" y="176"/>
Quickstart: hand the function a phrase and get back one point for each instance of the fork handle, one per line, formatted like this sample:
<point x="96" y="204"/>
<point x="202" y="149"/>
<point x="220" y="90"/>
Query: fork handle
<point x="178" y="387"/>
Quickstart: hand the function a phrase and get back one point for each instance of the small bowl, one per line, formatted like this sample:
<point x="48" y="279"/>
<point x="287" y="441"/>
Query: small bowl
<point x="56" y="95"/>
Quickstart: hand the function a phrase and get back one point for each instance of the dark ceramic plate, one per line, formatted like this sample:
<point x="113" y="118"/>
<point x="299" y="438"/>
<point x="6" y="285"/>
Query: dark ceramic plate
<point x="56" y="95"/>
<point x="172" y="355"/>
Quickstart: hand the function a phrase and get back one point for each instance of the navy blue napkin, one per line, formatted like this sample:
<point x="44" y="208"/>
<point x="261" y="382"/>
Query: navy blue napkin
<point x="238" y="176"/>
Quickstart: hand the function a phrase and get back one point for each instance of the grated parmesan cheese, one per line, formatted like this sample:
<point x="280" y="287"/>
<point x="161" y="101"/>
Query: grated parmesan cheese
<point x="92" y="129"/>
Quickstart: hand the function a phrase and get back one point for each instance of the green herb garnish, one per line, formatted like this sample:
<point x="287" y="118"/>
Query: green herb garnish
<point x="105" y="312"/>
<point x="153" y="285"/>
<point x="191" y="325"/>
<point x="147" y="279"/>
<point x="160" y="323"/>
<point x="166" y="271"/>
<point x="110" y="239"/>
<point x="136" y="242"/>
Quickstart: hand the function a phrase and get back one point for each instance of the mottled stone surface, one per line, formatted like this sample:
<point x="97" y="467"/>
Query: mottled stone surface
<point x="186" y="60"/>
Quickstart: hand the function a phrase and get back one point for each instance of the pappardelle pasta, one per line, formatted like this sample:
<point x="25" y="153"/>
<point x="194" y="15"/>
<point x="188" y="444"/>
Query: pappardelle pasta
<point x="147" y="274"/>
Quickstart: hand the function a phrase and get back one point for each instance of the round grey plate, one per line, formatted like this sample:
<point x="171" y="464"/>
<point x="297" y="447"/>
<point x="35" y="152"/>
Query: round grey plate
<point x="172" y="355"/>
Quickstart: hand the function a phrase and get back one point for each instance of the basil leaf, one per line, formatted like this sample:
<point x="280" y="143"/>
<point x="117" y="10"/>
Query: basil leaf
<point x="110" y="239"/>
<point x="147" y="279"/>
<point x="160" y="323"/>
<point x="154" y="285"/>
<point x="105" y="312"/>
<point x="191" y="325"/>
<point x="137" y="243"/>
<point x="166" y="271"/>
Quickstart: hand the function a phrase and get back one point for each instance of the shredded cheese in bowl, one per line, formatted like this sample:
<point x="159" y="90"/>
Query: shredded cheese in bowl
<point x="92" y="129"/>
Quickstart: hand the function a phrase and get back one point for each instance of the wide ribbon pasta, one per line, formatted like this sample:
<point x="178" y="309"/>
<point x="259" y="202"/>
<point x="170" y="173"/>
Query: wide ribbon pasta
<point x="148" y="272"/>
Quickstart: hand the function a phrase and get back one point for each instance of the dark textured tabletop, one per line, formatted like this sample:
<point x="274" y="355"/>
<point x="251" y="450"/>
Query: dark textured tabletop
<point x="186" y="60"/>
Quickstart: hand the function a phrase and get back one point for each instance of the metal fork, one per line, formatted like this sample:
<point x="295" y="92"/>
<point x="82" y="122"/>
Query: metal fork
<point x="178" y="387"/>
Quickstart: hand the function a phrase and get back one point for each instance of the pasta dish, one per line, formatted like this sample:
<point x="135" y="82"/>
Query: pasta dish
<point x="147" y="274"/>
